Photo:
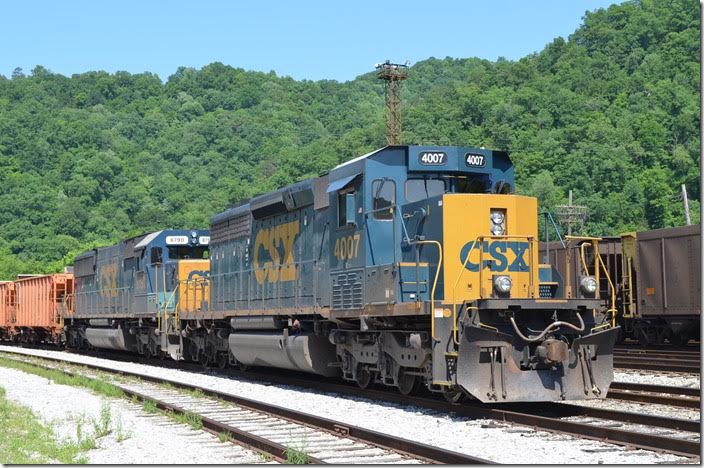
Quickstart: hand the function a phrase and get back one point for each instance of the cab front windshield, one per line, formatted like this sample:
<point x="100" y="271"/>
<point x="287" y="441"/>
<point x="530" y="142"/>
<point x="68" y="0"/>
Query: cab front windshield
<point x="420" y="189"/>
<point x="186" y="252"/>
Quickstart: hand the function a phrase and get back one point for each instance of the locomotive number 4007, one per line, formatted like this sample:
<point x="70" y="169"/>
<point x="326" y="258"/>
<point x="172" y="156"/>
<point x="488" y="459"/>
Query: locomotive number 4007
<point x="432" y="158"/>
<point x="347" y="247"/>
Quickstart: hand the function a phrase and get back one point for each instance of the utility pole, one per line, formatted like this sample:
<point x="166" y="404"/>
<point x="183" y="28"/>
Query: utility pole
<point x="686" y="206"/>
<point x="393" y="75"/>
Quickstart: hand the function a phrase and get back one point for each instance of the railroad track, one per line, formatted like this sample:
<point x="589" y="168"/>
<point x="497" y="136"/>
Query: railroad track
<point x="669" y="360"/>
<point x="266" y="428"/>
<point x="656" y="394"/>
<point x="633" y="430"/>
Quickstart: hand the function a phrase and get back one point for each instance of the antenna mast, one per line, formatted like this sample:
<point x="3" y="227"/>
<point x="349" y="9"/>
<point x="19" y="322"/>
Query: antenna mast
<point x="393" y="75"/>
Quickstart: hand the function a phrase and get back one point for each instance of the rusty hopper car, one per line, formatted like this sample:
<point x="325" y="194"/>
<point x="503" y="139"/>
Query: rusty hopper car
<point x="39" y="307"/>
<point x="407" y="266"/>
<point x="124" y="291"/>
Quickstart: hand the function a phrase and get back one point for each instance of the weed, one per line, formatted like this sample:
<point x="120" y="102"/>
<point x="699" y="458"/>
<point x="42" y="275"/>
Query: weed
<point x="197" y="393"/>
<point x="150" y="407"/>
<point x="120" y="433"/>
<point x="225" y="436"/>
<point x="101" y="426"/>
<point x="189" y="418"/>
<point x="296" y="455"/>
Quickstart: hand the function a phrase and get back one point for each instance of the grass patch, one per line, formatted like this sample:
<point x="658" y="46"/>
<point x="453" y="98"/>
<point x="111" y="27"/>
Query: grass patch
<point x="150" y="407"/>
<point x="188" y="418"/>
<point x="98" y="386"/>
<point x="197" y="393"/>
<point x="225" y="436"/>
<point x="296" y="453"/>
<point x="24" y="439"/>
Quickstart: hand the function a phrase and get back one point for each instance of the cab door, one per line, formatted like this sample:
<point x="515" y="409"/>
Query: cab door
<point x="347" y="246"/>
<point x="382" y="228"/>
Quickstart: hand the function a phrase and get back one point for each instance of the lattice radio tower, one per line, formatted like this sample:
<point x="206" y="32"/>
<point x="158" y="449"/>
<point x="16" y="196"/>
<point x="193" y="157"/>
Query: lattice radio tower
<point x="393" y="75"/>
<point x="571" y="215"/>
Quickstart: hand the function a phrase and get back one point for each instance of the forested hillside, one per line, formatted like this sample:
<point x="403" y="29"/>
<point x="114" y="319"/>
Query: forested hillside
<point x="611" y="113"/>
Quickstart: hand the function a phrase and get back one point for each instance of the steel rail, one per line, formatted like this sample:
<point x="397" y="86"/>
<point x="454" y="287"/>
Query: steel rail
<point x="652" y="388"/>
<point x="657" y="399"/>
<point x="653" y="364"/>
<point x="402" y="446"/>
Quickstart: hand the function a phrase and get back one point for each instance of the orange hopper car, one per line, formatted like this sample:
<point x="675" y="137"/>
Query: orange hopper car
<point x="7" y="308"/>
<point x="40" y="304"/>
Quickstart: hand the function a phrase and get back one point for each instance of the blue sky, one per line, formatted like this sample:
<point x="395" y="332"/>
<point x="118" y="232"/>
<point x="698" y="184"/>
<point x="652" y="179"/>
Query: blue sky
<point x="303" y="39"/>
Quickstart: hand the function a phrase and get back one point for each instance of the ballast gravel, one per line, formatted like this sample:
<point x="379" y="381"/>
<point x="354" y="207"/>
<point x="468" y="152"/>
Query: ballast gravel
<point x="672" y="379"/>
<point x="489" y="439"/>
<point x="135" y="437"/>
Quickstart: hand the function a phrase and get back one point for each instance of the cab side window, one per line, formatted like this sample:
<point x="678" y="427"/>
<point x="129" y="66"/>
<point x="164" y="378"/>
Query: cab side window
<point x="345" y="208"/>
<point x="156" y="255"/>
<point x="384" y="198"/>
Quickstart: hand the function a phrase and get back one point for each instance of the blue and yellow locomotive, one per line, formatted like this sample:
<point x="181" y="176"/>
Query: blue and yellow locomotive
<point x="407" y="266"/>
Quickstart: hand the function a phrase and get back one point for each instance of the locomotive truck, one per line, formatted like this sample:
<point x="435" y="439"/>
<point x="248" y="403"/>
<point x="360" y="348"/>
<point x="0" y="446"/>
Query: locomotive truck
<point x="408" y="266"/>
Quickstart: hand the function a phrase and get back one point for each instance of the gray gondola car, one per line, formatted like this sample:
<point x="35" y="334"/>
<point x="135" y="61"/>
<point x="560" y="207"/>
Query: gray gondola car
<point x="657" y="280"/>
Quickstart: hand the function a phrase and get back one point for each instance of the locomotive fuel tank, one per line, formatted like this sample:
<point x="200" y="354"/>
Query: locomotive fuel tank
<point x="304" y="352"/>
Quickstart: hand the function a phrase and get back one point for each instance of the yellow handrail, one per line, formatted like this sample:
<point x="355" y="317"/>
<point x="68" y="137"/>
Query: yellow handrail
<point x="480" y="240"/>
<point x="598" y="265"/>
<point x="612" y="310"/>
<point x="435" y="283"/>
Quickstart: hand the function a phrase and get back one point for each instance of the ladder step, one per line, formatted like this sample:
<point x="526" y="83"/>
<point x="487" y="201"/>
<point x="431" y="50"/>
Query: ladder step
<point x="452" y="353"/>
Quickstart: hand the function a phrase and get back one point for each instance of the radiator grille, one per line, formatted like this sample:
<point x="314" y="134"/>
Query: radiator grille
<point x="347" y="291"/>
<point x="231" y="228"/>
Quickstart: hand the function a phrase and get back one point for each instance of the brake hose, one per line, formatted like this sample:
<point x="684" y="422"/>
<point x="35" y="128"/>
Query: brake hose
<point x="553" y="325"/>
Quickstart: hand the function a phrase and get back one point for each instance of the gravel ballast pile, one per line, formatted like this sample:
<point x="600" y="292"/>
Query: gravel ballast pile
<point x="488" y="439"/>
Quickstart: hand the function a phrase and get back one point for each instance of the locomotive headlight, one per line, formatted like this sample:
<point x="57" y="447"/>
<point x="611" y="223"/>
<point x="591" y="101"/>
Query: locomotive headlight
<point x="588" y="285"/>
<point x="497" y="225"/>
<point x="502" y="284"/>
<point x="497" y="217"/>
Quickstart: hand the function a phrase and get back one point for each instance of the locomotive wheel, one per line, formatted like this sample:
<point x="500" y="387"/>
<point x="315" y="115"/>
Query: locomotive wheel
<point x="453" y="395"/>
<point x="221" y="360"/>
<point x="364" y="377"/>
<point x="203" y="358"/>
<point x="407" y="383"/>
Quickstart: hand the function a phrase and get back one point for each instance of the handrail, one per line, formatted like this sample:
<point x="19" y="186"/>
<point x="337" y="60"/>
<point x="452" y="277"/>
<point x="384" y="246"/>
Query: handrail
<point x="598" y="265"/>
<point x="480" y="240"/>
<point x="435" y="283"/>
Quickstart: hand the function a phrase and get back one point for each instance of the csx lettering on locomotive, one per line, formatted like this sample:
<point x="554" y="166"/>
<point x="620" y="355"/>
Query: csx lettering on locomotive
<point x="276" y="243"/>
<point x="497" y="255"/>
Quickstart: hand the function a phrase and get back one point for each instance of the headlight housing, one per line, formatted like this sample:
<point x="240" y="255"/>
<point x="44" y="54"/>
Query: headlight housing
<point x="588" y="285"/>
<point x="502" y="284"/>
<point x="497" y="222"/>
